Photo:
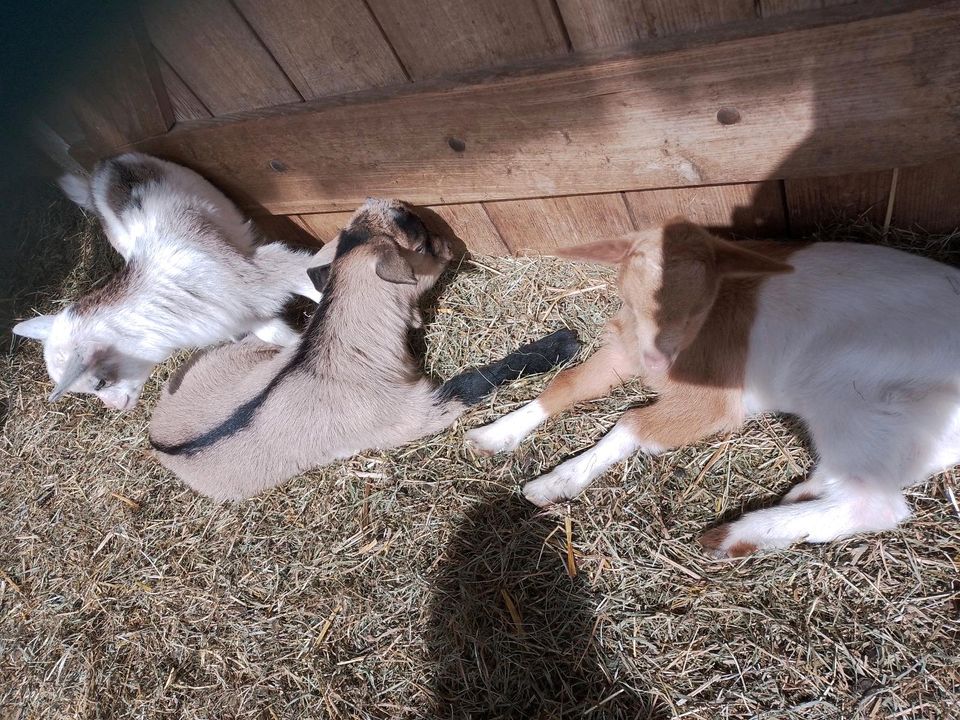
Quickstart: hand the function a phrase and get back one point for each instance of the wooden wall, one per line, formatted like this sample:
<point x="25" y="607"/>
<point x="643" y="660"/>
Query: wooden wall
<point x="348" y="85"/>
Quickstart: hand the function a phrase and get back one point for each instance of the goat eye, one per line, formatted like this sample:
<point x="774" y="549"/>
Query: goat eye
<point x="101" y="384"/>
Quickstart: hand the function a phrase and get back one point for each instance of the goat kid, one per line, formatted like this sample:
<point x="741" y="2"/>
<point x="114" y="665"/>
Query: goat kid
<point x="243" y="418"/>
<point x="195" y="274"/>
<point x="861" y="342"/>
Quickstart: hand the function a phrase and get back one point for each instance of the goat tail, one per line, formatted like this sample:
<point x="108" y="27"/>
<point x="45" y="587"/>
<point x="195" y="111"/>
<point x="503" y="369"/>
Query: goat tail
<point x="77" y="188"/>
<point x="544" y="354"/>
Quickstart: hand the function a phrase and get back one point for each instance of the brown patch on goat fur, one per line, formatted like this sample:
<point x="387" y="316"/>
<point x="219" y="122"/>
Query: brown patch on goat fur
<point x="714" y="351"/>
<point x="805" y="497"/>
<point x="713" y="540"/>
<point x="741" y="549"/>
<point x="125" y="176"/>
<point x="686" y="295"/>
<point x="111" y="292"/>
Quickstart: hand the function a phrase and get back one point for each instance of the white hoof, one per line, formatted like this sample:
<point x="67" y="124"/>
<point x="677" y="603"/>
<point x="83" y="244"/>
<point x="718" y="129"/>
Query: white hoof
<point x="489" y="440"/>
<point x="506" y="434"/>
<point x="562" y="483"/>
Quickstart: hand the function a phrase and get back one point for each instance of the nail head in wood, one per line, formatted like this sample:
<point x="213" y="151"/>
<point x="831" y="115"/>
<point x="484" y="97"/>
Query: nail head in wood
<point x="728" y="116"/>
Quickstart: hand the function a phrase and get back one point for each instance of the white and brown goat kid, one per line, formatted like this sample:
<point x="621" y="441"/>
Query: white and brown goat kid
<point x="861" y="342"/>
<point x="244" y="417"/>
<point x="195" y="274"/>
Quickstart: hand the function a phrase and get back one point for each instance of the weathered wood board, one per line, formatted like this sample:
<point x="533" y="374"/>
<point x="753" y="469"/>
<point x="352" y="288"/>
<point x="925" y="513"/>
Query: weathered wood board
<point x="631" y="122"/>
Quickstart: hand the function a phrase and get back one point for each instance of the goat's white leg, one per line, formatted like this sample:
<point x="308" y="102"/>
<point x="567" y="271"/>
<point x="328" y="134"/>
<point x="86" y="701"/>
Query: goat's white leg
<point x="843" y="509"/>
<point x="809" y="489"/>
<point x="593" y="378"/>
<point x="506" y="434"/>
<point x="872" y="443"/>
<point x="682" y="414"/>
<point x="276" y="332"/>
<point x="572" y="477"/>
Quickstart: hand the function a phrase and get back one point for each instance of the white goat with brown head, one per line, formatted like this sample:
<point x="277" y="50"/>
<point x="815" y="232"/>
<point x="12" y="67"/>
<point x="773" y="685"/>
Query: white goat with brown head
<point x="195" y="274"/>
<point x="243" y="418"/>
<point x="861" y="342"/>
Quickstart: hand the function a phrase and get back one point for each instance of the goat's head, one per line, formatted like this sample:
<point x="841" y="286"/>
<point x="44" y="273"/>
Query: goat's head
<point x="388" y="238"/>
<point x="77" y="361"/>
<point x="669" y="279"/>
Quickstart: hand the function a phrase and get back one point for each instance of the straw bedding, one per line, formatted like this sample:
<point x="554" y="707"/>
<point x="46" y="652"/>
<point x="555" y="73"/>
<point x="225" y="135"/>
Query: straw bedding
<point x="418" y="583"/>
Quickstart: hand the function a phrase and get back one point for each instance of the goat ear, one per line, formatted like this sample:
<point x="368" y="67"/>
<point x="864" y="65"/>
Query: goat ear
<point x="319" y="276"/>
<point x="37" y="328"/>
<point x="605" y="252"/>
<point x="76" y="366"/>
<point x="737" y="262"/>
<point x="394" y="268"/>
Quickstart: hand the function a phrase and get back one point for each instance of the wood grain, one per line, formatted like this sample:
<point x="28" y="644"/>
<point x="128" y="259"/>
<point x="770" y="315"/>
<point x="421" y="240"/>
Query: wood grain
<point x="634" y="121"/>
<point x="290" y="229"/>
<point x="325" y="226"/>
<point x="469" y="223"/>
<point x="325" y="48"/>
<point x="750" y="209"/>
<point x="544" y="224"/>
<point x="772" y="8"/>
<point x="434" y="38"/>
<point x="120" y="97"/>
<point x="217" y="55"/>
<point x="927" y="197"/>
<point x="820" y="201"/>
<point x="617" y="23"/>
<point x="473" y="226"/>
<point x="186" y="105"/>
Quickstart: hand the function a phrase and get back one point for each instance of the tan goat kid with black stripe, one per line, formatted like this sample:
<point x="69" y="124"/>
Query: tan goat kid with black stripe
<point x="245" y="417"/>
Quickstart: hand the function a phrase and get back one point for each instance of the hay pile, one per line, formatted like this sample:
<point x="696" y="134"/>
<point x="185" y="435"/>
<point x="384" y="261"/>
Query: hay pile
<point x="418" y="584"/>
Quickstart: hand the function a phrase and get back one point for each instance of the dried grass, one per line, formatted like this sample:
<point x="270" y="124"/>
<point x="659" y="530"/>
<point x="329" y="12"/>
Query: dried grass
<point x="418" y="584"/>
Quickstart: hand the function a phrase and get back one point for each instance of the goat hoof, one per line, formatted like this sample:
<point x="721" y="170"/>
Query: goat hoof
<point x="487" y="441"/>
<point x="719" y="544"/>
<point x="544" y="491"/>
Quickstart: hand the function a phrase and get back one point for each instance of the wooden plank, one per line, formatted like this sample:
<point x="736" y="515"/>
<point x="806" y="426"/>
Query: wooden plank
<point x="289" y="229"/>
<point x="773" y="8"/>
<point x="618" y="23"/>
<point x="120" y="97"/>
<point x="750" y="209"/>
<point x="471" y="224"/>
<point x="821" y="201"/>
<point x="927" y="197"/>
<point x="325" y="48"/>
<point x="217" y="55"/>
<point x="436" y="38"/>
<point x="186" y="105"/>
<point x="547" y="223"/>
<point x="325" y="226"/>
<point x="630" y="122"/>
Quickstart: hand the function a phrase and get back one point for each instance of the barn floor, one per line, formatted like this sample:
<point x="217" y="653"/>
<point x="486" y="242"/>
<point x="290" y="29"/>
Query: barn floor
<point x="418" y="584"/>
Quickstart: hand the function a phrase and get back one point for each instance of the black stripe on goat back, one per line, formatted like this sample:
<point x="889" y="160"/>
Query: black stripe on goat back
<point x="544" y="354"/>
<point x="238" y="421"/>
<point x="241" y="418"/>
